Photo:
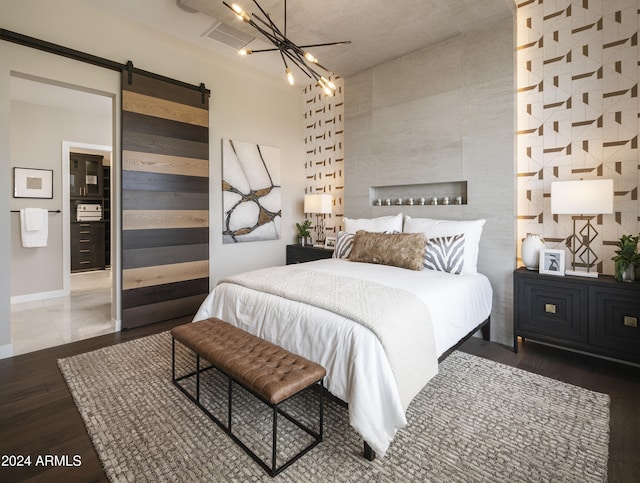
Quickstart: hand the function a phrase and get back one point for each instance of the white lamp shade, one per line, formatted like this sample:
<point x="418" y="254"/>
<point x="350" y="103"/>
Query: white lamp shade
<point x="584" y="197"/>
<point x="319" y="204"/>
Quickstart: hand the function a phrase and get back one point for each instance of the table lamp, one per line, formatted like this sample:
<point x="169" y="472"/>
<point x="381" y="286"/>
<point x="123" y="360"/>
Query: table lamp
<point x="320" y="205"/>
<point x="584" y="199"/>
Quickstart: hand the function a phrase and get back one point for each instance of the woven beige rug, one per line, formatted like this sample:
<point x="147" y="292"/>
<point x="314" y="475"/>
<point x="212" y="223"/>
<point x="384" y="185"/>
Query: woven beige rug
<point x="477" y="421"/>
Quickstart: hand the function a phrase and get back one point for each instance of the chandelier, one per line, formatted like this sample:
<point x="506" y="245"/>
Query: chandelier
<point x="296" y="54"/>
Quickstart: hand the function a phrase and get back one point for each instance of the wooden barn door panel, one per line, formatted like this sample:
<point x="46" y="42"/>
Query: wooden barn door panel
<point x="165" y="199"/>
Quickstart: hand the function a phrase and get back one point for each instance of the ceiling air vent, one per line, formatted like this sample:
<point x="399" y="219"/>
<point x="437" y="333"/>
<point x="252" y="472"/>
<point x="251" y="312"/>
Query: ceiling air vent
<point x="229" y="36"/>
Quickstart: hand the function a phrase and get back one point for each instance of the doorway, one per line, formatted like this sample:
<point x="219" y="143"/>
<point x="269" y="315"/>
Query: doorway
<point x="49" y="305"/>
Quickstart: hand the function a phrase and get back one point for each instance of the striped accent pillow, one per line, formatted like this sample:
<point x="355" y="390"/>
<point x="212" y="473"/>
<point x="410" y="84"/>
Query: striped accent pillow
<point x="344" y="243"/>
<point x="445" y="254"/>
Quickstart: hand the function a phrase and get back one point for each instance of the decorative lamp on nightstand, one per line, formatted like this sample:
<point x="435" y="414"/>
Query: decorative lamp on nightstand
<point x="584" y="200"/>
<point x="320" y="205"/>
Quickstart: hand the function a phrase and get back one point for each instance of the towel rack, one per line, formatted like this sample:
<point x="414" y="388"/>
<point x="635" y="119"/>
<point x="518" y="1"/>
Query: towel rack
<point x="50" y="211"/>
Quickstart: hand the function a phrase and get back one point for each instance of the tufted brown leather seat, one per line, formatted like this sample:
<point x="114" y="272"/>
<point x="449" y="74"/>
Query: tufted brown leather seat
<point x="270" y="372"/>
<point x="267" y="369"/>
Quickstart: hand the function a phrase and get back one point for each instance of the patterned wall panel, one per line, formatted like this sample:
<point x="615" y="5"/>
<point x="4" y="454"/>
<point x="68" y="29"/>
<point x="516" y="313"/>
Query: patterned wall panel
<point x="578" y="116"/>
<point x="324" y="145"/>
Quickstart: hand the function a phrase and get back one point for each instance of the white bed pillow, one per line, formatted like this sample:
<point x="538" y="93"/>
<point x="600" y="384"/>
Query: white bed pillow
<point x="471" y="229"/>
<point x="387" y="224"/>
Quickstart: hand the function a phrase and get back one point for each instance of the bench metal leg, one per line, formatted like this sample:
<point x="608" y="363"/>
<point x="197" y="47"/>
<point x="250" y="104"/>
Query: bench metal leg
<point x="321" y="432"/>
<point x="230" y="403"/>
<point x="272" y="470"/>
<point x="274" y="435"/>
<point x="173" y="360"/>
<point x="198" y="378"/>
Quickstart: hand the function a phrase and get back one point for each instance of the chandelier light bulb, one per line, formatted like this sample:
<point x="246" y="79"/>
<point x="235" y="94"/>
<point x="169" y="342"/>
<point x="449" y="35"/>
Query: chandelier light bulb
<point x="242" y="15"/>
<point x="310" y="58"/>
<point x="322" y="82"/>
<point x="328" y="83"/>
<point x="245" y="52"/>
<point x="290" y="76"/>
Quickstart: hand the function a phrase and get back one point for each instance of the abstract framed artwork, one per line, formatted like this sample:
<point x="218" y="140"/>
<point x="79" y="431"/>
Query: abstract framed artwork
<point x="251" y="192"/>
<point x="32" y="183"/>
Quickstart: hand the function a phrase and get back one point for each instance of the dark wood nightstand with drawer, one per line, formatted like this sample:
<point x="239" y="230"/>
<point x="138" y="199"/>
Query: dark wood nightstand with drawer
<point x="594" y="315"/>
<point x="300" y="254"/>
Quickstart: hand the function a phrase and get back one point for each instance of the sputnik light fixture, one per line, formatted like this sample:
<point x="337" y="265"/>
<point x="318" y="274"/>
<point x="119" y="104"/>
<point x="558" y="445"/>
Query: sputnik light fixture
<point x="296" y="54"/>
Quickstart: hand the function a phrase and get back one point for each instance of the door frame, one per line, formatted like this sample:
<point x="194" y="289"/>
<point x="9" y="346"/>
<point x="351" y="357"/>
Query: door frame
<point x="67" y="148"/>
<point x="82" y="57"/>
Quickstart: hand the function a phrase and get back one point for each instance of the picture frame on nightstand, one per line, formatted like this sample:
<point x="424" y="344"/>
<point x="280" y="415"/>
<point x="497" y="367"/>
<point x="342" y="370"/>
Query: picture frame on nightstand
<point x="330" y="242"/>
<point x="552" y="262"/>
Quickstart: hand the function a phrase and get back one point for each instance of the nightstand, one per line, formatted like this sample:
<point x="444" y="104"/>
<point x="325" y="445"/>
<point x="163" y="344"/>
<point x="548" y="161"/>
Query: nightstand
<point x="301" y="254"/>
<point x="594" y="315"/>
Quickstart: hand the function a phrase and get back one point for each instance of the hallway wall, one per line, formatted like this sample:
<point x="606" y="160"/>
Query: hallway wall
<point x="36" y="138"/>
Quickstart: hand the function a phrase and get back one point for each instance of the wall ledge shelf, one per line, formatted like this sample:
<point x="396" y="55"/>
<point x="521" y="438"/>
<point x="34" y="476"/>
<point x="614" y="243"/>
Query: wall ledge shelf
<point x="420" y="194"/>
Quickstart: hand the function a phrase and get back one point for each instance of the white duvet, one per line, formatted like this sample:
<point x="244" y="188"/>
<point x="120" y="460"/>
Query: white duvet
<point x="357" y="369"/>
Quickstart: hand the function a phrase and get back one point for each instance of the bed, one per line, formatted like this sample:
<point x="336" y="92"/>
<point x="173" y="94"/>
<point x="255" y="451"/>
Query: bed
<point x="321" y="310"/>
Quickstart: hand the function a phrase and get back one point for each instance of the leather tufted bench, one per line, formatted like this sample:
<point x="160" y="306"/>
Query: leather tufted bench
<point x="268" y="371"/>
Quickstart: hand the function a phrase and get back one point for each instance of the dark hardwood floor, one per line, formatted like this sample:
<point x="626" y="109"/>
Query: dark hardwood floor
<point x="38" y="416"/>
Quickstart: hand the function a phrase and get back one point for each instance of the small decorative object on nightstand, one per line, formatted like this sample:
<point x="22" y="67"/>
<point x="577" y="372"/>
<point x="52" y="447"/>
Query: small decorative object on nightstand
<point x="301" y="254"/>
<point x="330" y="242"/>
<point x="530" y="251"/>
<point x="594" y="315"/>
<point x="303" y="232"/>
<point x="627" y="258"/>
<point x="552" y="262"/>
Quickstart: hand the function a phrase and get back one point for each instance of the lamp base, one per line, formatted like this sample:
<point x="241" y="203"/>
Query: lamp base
<point x="319" y="230"/>
<point x="579" y="273"/>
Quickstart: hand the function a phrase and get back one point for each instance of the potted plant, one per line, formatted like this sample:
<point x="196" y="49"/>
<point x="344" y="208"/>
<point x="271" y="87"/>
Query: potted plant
<point x="303" y="232"/>
<point x="627" y="257"/>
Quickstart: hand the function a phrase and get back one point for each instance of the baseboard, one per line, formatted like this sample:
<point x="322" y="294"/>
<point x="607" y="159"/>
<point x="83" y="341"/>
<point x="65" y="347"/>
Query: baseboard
<point x="6" y="351"/>
<point x="33" y="297"/>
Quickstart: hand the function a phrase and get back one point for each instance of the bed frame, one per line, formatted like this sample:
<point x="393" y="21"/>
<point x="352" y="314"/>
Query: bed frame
<point x="484" y="327"/>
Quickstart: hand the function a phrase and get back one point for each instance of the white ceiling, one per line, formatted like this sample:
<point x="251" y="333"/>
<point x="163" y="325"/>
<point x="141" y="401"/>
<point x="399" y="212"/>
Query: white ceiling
<point x="378" y="30"/>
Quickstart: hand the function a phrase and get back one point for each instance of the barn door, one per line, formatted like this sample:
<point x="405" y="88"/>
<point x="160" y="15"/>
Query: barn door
<point x="165" y="198"/>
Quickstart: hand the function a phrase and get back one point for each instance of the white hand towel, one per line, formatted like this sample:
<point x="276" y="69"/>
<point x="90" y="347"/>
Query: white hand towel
<point x="34" y="227"/>
<point x="34" y="219"/>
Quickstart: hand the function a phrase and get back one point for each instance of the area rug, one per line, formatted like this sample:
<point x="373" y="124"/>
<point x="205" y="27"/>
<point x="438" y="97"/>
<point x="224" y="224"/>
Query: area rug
<point x="477" y="420"/>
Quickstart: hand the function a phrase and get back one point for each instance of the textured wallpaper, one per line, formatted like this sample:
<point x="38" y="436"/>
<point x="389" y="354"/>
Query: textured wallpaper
<point x="577" y="94"/>
<point x="324" y="144"/>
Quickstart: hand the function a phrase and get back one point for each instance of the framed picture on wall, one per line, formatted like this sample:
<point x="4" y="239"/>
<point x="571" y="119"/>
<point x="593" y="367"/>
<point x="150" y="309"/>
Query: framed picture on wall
<point x="32" y="183"/>
<point x="552" y="262"/>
